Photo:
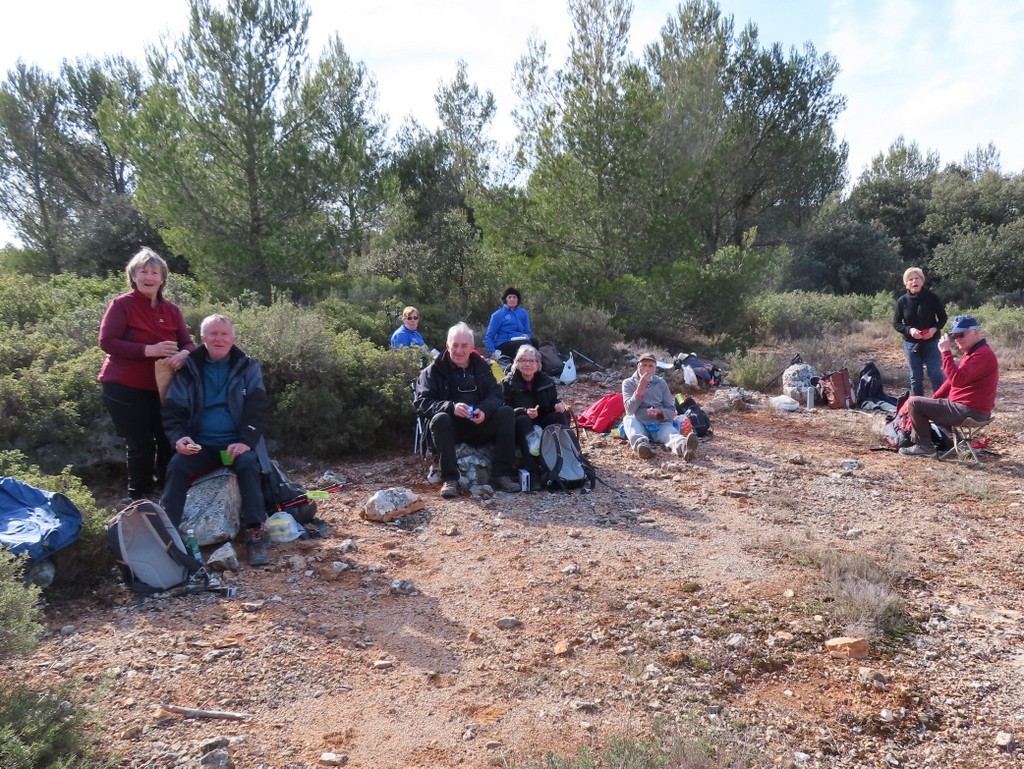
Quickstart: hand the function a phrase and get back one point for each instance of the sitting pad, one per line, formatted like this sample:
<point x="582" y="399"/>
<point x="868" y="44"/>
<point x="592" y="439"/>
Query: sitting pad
<point x="36" y="522"/>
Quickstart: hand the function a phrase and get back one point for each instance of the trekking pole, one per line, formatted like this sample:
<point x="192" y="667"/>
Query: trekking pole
<point x="793" y="361"/>
<point x="589" y="360"/>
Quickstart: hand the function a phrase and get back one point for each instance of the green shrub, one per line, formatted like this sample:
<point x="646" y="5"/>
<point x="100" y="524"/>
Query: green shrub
<point x="753" y="371"/>
<point x="47" y="730"/>
<point x="798" y="314"/>
<point x="19" y="610"/>
<point x="1003" y="326"/>
<point x="87" y="560"/>
<point x="585" y="328"/>
<point x="51" y="402"/>
<point x="330" y="393"/>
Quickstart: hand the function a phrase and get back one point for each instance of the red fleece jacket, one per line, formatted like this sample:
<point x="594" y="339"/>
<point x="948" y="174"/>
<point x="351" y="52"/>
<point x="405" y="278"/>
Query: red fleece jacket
<point x="128" y="326"/>
<point x="973" y="382"/>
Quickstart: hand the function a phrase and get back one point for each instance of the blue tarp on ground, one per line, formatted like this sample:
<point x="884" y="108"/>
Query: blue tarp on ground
<point x="36" y="522"/>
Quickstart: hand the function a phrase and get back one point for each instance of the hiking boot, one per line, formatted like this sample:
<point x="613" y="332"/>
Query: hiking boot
<point x="918" y="451"/>
<point x="643" y="449"/>
<point x="449" y="489"/>
<point x="504" y="483"/>
<point x="256" y="545"/>
<point x="690" y="447"/>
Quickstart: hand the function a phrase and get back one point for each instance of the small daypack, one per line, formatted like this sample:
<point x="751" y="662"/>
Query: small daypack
<point x="601" y="415"/>
<point x="281" y="494"/>
<point x="837" y="390"/>
<point x="897" y="431"/>
<point x="562" y="464"/>
<point x="700" y="421"/>
<point x="551" y="362"/>
<point x="869" y="386"/>
<point x="148" y="549"/>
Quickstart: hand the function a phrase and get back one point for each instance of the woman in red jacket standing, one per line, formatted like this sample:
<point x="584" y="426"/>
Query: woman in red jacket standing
<point x="138" y="329"/>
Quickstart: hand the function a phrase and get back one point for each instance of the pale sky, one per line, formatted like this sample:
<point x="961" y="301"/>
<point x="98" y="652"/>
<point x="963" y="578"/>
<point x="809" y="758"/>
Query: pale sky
<point x="943" y="73"/>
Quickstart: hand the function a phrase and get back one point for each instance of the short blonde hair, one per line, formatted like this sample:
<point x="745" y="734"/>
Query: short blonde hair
<point x="143" y="258"/>
<point x="912" y="271"/>
<point x="409" y="311"/>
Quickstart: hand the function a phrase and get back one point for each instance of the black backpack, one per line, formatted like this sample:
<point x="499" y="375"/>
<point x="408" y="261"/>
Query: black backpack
<point x="869" y="386"/>
<point x="700" y="421"/>
<point x="562" y="464"/>
<point x="279" y="494"/>
<point x="551" y="360"/>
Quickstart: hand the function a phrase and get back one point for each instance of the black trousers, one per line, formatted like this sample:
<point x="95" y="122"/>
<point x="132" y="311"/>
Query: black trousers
<point x="184" y="468"/>
<point x="524" y="426"/>
<point x="498" y="428"/>
<point x="136" y="417"/>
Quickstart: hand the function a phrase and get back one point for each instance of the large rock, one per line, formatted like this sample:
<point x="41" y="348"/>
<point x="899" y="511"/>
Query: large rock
<point x="796" y="379"/>
<point x="213" y="508"/>
<point x="388" y="504"/>
<point x="474" y="466"/>
<point x="729" y="399"/>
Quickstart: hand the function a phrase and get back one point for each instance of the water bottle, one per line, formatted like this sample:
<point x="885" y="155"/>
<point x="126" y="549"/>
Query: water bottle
<point x="192" y="545"/>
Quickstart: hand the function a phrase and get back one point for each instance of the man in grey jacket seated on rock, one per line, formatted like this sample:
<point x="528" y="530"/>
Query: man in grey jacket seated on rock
<point x="650" y="409"/>
<point x="214" y="415"/>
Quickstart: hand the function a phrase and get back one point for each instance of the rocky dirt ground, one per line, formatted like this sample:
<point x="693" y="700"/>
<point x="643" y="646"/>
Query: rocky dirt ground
<point x="680" y="599"/>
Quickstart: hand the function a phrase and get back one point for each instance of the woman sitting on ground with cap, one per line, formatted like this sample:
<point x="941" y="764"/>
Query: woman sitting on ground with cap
<point x="533" y="396"/>
<point x="509" y="327"/>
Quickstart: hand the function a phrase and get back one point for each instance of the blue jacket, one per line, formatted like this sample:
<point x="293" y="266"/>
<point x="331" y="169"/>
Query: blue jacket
<point x="247" y="400"/>
<point x="505" y="324"/>
<point x="403" y="337"/>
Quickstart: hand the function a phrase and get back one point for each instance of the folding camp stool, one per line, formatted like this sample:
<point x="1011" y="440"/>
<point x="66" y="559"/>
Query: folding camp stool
<point x="964" y="436"/>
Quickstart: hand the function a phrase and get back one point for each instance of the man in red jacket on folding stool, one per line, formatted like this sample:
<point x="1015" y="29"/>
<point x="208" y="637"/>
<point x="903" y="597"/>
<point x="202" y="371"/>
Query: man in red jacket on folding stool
<point x="969" y="391"/>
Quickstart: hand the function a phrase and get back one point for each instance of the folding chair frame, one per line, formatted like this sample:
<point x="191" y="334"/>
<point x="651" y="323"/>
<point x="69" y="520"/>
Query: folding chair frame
<point x="964" y="436"/>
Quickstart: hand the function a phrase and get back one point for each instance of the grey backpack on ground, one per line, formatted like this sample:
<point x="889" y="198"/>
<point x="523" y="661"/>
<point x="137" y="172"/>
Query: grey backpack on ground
<point x="148" y="549"/>
<point x="563" y="466"/>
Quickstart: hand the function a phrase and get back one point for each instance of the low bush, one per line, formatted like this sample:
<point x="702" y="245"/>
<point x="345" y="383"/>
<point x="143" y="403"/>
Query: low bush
<point x="330" y="393"/>
<point x="585" y="328"/>
<point x="797" y="314"/>
<point x="754" y="371"/>
<point x="38" y="729"/>
<point x="47" y="730"/>
<point x="19" y="610"/>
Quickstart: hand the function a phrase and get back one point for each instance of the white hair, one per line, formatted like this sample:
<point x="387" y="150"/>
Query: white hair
<point x="458" y="330"/>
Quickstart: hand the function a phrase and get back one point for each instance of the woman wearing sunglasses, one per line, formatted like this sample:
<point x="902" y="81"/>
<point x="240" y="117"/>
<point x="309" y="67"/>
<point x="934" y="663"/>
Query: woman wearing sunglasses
<point x="407" y="334"/>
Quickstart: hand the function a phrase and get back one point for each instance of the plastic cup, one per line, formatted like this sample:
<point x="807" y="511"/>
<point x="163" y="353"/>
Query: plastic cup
<point x="225" y="458"/>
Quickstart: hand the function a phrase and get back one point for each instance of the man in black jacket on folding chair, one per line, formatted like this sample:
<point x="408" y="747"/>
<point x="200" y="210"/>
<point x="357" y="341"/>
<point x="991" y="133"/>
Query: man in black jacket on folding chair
<point x="462" y="402"/>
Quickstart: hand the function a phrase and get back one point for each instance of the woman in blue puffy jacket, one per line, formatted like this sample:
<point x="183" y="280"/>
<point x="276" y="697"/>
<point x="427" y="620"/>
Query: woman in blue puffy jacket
<point x="509" y="327"/>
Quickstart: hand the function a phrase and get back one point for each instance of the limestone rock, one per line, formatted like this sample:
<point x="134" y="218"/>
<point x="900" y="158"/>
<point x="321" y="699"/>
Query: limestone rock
<point x="213" y="508"/>
<point x="388" y="504"/>
<point x="796" y="379"/>
<point x="729" y="399"/>
<point x="848" y="647"/>
<point x="224" y="558"/>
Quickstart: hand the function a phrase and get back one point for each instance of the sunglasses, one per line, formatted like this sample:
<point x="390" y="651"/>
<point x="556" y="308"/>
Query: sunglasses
<point x="960" y="334"/>
<point x="413" y="317"/>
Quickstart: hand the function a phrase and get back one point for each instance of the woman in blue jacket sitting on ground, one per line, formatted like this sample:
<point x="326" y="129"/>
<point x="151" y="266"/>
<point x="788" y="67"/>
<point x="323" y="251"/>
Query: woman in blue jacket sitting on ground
<point x="509" y="327"/>
<point x="407" y="335"/>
